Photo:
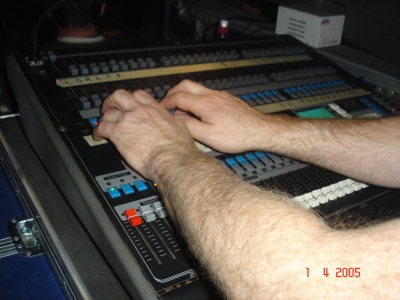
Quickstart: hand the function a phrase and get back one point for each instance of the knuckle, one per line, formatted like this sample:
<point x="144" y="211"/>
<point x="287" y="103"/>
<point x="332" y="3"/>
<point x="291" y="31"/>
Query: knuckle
<point x="119" y="93"/>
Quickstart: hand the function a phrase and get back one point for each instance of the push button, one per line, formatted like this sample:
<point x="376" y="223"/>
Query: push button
<point x="140" y="185"/>
<point x="127" y="189"/>
<point x="113" y="192"/>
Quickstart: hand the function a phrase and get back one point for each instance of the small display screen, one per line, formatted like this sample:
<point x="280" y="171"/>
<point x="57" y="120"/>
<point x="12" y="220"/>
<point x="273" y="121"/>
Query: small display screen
<point x="316" y="113"/>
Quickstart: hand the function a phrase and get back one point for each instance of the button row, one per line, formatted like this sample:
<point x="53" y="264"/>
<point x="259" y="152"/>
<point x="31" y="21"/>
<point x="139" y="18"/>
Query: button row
<point x="199" y="58"/>
<point x="272" y="51"/>
<point x="317" y="89"/>
<point x="234" y="82"/>
<point x="302" y="73"/>
<point x="373" y="106"/>
<point x="252" y="163"/>
<point x="111" y="66"/>
<point x="261" y="98"/>
<point x="148" y="212"/>
<point x="329" y="193"/>
<point x="126" y="189"/>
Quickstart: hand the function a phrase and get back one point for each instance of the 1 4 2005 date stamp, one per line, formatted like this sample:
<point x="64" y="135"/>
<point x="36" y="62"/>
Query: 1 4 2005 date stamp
<point x="340" y="272"/>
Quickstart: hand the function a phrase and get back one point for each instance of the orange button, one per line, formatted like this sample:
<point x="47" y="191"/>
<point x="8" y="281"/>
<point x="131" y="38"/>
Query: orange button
<point x="132" y="217"/>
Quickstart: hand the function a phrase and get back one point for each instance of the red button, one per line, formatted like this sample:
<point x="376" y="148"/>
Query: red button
<point x="132" y="217"/>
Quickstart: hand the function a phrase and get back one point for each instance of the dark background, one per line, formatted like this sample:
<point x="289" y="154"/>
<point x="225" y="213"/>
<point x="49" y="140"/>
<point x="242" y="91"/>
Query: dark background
<point x="371" y="26"/>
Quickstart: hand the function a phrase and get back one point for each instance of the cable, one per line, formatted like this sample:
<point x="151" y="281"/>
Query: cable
<point x="34" y="57"/>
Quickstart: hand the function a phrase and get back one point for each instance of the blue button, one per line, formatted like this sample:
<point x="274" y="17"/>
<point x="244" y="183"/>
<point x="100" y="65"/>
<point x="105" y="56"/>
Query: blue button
<point x="251" y="157"/>
<point x="287" y="90"/>
<point x="275" y="92"/>
<point x="241" y="160"/>
<point x="253" y="96"/>
<point x="294" y="89"/>
<point x="231" y="162"/>
<point x="93" y="121"/>
<point x="113" y="192"/>
<point x="245" y="97"/>
<point x="300" y="88"/>
<point x="268" y="93"/>
<point x="140" y="185"/>
<point x="260" y="155"/>
<point x="127" y="189"/>
<point x="261" y="94"/>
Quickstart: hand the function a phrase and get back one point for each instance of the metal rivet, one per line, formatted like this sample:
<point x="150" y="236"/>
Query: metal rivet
<point x="29" y="253"/>
<point x="14" y="220"/>
<point x="19" y="246"/>
<point x="16" y="238"/>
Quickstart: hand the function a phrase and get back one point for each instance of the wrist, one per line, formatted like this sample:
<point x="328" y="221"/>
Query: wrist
<point x="167" y="157"/>
<point x="272" y="133"/>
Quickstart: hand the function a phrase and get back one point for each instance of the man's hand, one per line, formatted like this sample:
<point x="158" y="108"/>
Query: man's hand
<point x="142" y="130"/>
<point x="220" y="120"/>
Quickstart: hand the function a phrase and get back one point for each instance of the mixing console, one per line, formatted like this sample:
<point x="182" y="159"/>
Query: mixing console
<point x="60" y="102"/>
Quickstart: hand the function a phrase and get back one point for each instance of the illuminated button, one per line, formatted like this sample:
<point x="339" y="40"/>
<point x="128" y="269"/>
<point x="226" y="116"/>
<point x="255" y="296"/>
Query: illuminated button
<point x="316" y="193"/>
<point x="308" y="197"/>
<point x="313" y="202"/>
<point x="356" y="186"/>
<point x="231" y="162"/>
<point x="254" y="160"/>
<point x="93" y="122"/>
<point x="140" y="185"/>
<point x="323" y="199"/>
<point x="113" y="192"/>
<point x="132" y="217"/>
<point x="325" y="190"/>
<point x="127" y="189"/>
<point x="331" y="196"/>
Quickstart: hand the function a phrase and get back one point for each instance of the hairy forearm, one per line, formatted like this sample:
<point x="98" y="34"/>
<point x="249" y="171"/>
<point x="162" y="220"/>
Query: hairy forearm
<point x="367" y="150"/>
<point x="257" y="244"/>
<point x="240" y="233"/>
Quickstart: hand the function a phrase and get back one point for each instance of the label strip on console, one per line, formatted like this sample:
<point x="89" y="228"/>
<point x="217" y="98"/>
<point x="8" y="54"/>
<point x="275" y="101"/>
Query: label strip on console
<point x="311" y="101"/>
<point x="154" y="72"/>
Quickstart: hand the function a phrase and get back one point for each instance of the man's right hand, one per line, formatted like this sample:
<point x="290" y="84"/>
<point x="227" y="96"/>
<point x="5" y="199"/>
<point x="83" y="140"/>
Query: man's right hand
<point x="217" y="119"/>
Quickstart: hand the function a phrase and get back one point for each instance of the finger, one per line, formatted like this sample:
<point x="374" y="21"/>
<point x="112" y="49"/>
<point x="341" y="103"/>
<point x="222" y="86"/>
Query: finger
<point x="124" y="100"/>
<point x="189" y="86"/>
<point x="179" y="112"/>
<point x="102" y="131"/>
<point x="198" y="130"/>
<point x="185" y="102"/>
<point x="119" y="99"/>
<point x="111" y="115"/>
